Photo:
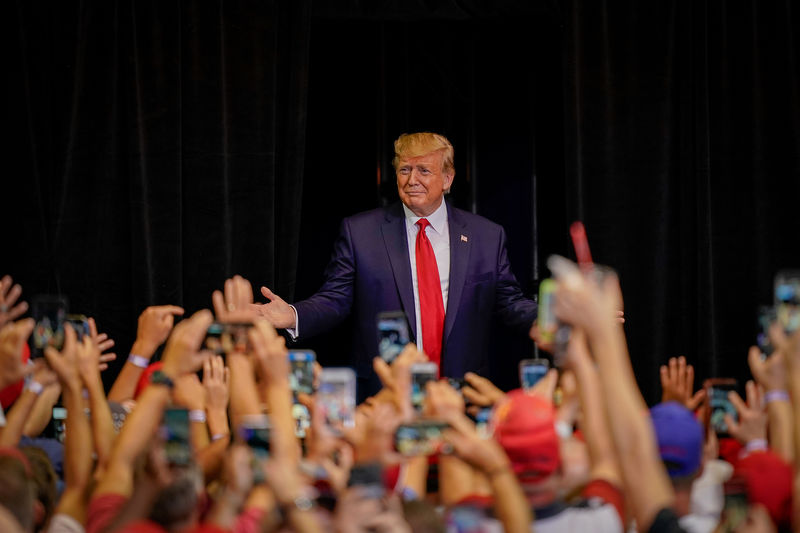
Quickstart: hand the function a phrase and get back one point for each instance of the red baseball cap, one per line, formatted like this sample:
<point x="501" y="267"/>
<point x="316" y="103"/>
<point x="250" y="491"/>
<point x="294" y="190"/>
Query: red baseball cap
<point x="769" y="482"/>
<point x="524" y="425"/>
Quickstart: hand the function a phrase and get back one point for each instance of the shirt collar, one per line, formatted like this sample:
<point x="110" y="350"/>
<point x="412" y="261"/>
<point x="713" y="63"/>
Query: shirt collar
<point x="438" y="218"/>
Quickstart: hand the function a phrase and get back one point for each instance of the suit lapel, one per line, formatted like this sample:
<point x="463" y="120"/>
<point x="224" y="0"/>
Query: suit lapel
<point x="460" y="245"/>
<point x="396" y="242"/>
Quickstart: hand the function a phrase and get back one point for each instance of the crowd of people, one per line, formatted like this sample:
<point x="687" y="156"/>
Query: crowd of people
<point x="579" y="451"/>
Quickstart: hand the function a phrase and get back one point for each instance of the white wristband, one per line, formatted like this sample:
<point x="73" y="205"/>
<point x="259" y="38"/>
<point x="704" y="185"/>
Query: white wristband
<point x="755" y="445"/>
<point x="35" y="387"/>
<point x="563" y="429"/>
<point x="138" y="360"/>
<point x="197" y="415"/>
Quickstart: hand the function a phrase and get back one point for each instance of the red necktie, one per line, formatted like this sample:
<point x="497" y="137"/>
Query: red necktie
<point x="430" y="295"/>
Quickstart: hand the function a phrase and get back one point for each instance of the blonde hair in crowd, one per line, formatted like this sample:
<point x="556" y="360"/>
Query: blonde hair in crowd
<point x="410" y="145"/>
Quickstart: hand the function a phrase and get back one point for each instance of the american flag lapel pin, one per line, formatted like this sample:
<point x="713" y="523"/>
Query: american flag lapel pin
<point x="464" y="238"/>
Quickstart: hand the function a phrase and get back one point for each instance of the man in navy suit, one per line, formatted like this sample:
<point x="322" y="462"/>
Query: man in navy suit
<point x="375" y="268"/>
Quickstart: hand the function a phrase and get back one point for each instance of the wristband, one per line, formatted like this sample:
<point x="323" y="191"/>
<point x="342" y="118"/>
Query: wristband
<point x="197" y="415"/>
<point x="776" y="396"/>
<point x="138" y="360"/>
<point x="755" y="445"/>
<point x="563" y="429"/>
<point x="35" y="387"/>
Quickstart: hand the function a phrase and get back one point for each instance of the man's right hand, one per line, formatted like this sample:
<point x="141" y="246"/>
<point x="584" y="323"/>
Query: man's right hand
<point x="276" y="311"/>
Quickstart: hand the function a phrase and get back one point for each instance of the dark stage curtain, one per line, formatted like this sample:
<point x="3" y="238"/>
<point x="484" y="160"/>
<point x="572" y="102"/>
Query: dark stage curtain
<point x="683" y="158"/>
<point x="159" y="147"/>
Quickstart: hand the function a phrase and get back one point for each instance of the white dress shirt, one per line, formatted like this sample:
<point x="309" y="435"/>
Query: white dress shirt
<point x="439" y="234"/>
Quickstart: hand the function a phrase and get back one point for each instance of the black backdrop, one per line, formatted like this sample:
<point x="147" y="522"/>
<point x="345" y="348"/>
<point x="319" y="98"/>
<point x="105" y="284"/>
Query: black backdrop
<point x="156" y="148"/>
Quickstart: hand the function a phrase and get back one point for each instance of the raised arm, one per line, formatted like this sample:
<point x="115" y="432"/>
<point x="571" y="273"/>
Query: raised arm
<point x="155" y="323"/>
<point x="603" y="457"/>
<point x="772" y="376"/>
<point x="181" y="356"/>
<point x="19" y="413"/>
<point x="78" y="435"/>
<point x="102" y="422"/>
<point x="592" y="307"/>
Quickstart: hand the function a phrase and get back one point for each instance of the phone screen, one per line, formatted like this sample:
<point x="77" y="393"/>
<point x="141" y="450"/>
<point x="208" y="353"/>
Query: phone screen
<point x="787" y="300"/>
<point x="301" y="371"/>
<point x="531" y="371"/>
<point x="175" y="431"/>
<point x="50" y="313"/>
<point x="80" y="323"/>
<point x="420" y="438"/>
<point x="421" y="374"/>
<point x="735" y="511"/>
<point x="483" y="422"/>
<point x="392" y="335"/>
<point x="766" y="316"/>
<point x="337" y="397"/>
<point x="225" y="338"/>
<point x="720" y="406"/>
<point x="59" y="427"/>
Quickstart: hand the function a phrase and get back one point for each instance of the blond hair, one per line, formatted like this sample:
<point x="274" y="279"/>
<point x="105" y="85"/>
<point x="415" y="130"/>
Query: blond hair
<point x="410" y="145"/>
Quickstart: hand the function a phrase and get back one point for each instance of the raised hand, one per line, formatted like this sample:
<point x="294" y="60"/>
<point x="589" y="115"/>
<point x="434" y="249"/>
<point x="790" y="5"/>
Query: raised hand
<point x="770" y="373"/>
<point x="236" y="303"/>
<point x="155" y="324"/>
<point x="276" y="310"/>
<point x="270" y="353"/>
<point x="12" y="337"/>
<point x="752" y="424"/>
<point x="65" y="363"/>
<point x="677" y="384"/>
<point x="480" y="391"/>
<point x="182" y="354"/>
<point x="9" y="294"/>
<point x="103" y="344"/>
<point x="216" y="382"/>
<point x="88" y="355"/>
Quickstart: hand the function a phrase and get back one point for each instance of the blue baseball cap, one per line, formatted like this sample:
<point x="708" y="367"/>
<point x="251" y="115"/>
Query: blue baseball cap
<point x="680" y="438"/>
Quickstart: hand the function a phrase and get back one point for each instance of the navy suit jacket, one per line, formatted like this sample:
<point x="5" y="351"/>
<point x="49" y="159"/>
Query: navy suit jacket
<point x="370" y="272"/>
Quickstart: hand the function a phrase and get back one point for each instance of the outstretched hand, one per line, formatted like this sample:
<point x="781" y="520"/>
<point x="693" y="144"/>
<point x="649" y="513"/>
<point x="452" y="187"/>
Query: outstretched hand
<point x="276" y="310"/>
<point x="9" y="294"/>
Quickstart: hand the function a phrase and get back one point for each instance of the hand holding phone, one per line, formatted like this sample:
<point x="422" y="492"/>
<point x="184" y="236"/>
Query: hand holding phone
<point x="392" y="334"/>
<point x="421" y="374"/>
<point x="50" y="313"/>
<point x="717" y="390"/>
<point x="336" y="396"/>
<point x="423" y="437"/>
<point x="224" y="338"/>
<point x="531" y="371"/>
<point x="175" y="432"/>
<point x="301" y="371"/>
<point x="787" y="300"/>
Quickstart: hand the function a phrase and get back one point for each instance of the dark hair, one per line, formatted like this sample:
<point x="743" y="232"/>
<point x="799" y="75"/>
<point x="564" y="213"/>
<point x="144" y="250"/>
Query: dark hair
<point x="17" y="491"/>
<point x="44" y="479"/>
